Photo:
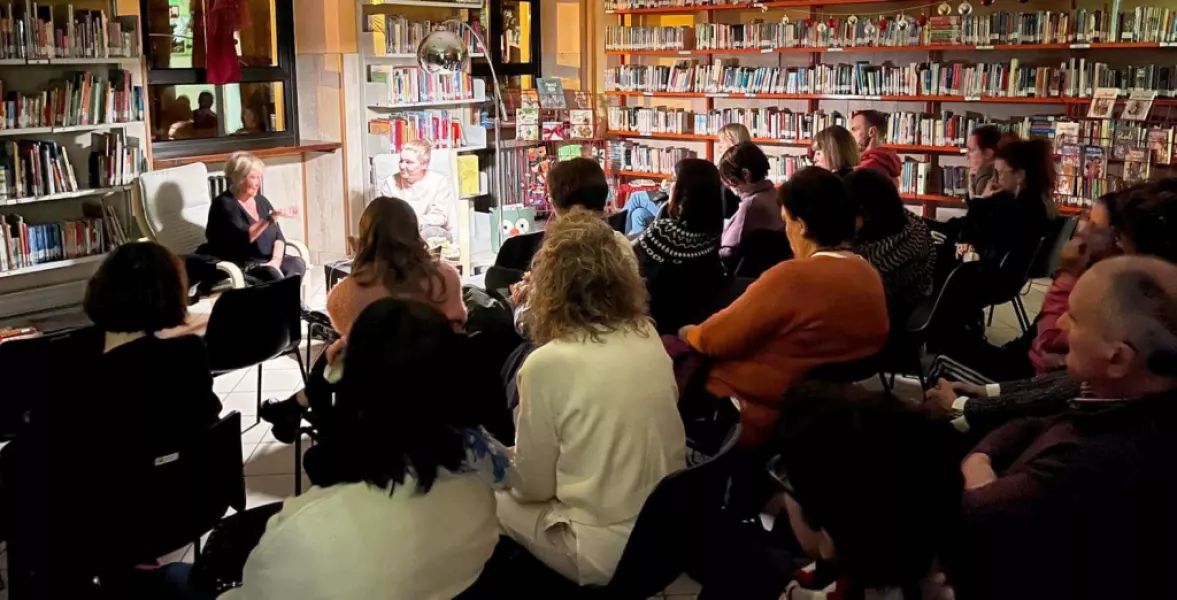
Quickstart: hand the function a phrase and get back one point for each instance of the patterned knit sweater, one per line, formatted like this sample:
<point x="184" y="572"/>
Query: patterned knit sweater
<point x="905" y="261"/>
<point x="682" y="272"/>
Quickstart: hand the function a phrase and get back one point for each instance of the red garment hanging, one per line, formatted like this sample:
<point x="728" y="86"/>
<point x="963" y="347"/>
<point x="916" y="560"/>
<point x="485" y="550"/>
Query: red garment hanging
<point x="224" y="18"/>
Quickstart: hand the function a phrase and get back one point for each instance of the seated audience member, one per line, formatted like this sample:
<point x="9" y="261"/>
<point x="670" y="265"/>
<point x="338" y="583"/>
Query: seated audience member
<point x="1143" y="221"/>
<point x="597" y="425"/>
<point x="869" y="128"/>
<point x="1080" y="505"/>
<point x="743" y="168"/>
<point x="893" y="240"/>
<point x="730" y="135"/>
<point x="130" y="398"/>
<point x="679" y="254"/>
<point x="834" y="150"/>
<point x="391" y="261"/>
<point x="407" y="514"/>
<point x="242" y="228"/>
<point x="981" y="152"/>
<point x="579" y="182"/>
<point x="774" y="334"/>
<point x="428" y="193"/>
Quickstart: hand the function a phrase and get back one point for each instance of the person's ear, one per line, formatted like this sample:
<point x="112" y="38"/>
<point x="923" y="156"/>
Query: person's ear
<point x="746" y="175"/>
<point x="1121" y="361"/>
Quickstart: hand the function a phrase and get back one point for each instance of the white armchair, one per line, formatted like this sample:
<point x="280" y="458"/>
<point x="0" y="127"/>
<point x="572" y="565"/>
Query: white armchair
<point x="173" y="211"/>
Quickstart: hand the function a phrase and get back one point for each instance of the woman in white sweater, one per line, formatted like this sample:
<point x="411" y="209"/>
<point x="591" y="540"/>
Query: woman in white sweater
<point x="597" y="424"/>
<point x="411" y="513"/>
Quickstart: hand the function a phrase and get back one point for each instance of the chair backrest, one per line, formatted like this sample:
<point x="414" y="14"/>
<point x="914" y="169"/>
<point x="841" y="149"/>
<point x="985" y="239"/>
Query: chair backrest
<point x="736" y="286"/>
<point x="760" y="250"/>
<point x="1050" y="259"/>
<point x="254" y="324"/>
<point x="499" y="279"/>
<point x="38" y="361"/>
<point x="189" y="491"/>
<point x="173" y="206"/>
<point x="673" y="523"/>
<point x="952" y="304"/>
<point x="1014" y="271"/>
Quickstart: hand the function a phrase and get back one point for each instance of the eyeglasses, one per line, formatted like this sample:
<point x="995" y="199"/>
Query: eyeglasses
<point x="777" y="471"/>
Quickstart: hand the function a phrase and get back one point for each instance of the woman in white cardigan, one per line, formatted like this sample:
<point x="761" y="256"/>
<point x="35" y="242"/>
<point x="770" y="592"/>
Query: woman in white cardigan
<point x="597" y="424"/>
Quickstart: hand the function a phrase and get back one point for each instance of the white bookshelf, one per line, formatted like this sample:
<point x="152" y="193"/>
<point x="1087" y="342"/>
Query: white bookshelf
<point x="32" y="72"/>
<point x="374" y="99"/>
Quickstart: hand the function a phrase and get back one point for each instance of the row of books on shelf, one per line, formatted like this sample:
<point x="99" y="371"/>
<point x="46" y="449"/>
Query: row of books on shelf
<point x="580" y="125"/>
<point x="1076" y="78"/>
<point x="30" y="169"/>
<point x="1081" y="26"/>
<point x="396" y="34"/>
<point x="81" y="98"/>
<point x="25" y="244"/>
<point x="395" y="85"/>
<point x="441" y="127"/>
<point x="42" y="30"/>
<point x="625" y="155"/>
<point x="549" y="93"/>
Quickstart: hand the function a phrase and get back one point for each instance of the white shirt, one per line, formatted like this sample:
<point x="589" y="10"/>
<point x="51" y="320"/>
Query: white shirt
<point x="431" y="197"/>
<point x="355" y="541"/>
<point x="598" y="427"/>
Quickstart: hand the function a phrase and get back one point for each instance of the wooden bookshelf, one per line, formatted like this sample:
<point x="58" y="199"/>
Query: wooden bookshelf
<point x="901" y="148"/>
<point x="1057" y="100"/>
<point x="920" y="48"/>
<point x="680" y="10"/>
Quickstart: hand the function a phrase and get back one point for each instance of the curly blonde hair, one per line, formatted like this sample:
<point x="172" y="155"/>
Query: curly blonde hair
<point x="584" y="283"/>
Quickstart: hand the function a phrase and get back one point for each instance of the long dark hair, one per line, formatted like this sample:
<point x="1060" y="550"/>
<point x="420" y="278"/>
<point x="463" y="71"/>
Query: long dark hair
<point x="399" y="409"/>
<point x="878" y="204"/>
<point x="392" y="253"/>
<point x="1035" y="158"/>
<point x="698" y="196"/>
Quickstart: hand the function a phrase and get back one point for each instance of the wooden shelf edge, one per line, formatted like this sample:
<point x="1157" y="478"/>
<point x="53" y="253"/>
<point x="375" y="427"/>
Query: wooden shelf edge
<point x="301" y="148"/>
<point x="921" y="48"/>
<point x="735" y="6"/>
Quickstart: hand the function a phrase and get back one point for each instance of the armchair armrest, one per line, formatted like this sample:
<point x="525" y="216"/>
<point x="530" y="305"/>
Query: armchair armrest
<point x="300" y="248"/>
<point x="234" y="272"/>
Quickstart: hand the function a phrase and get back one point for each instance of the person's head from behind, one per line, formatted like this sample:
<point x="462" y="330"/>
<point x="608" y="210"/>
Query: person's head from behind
<point x="245" y="172"/>
<point x="697" y="196"/>
<point x="583" y="283"/>
<point x="869" y="128"/>
<point x="577" y="182"/>
<point x="834" y="149"/>
<point x="399" y="409"/>
<point x="1121" y="325"/>
<point x="1144" y="219"/>
<point x="1025" y="166"/>
<point x="140" y="287"/>
<point x="743" y="166"/>
<point x="817" y="210"/>
<point x="981" y="147"/>
<point x="205" y="100"/>
<point x="869" y="484"/>
<point x="389" y="250"/>
<point x="880" y="209"/>
<point x="414" y="160"/>
<point x="1094" y="238"/>
<point x="729" y="135"/>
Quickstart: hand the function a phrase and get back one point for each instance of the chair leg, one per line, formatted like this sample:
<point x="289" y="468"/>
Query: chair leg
<point x="883" y="380"/>
<point x="1023" y="316"/>
<point x="196" y="550"/>
<point x="302" y="368"/>
<point x="990" y="323"/>
<point x="257" y="417"/>
<point x="298" y="463"/>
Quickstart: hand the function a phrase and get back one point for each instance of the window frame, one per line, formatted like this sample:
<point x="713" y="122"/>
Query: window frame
<point x="284" y="73"/>
<point x="505" y="69"/>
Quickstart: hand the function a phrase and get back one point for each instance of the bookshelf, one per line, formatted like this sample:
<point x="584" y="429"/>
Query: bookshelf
<point x="401" y="102"/>
<point x="72" y="143"/>
<point x="1027" y="68"/>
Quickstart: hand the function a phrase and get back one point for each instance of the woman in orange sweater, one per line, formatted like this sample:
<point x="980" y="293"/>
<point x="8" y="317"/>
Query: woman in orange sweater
<point x="824" y="306"/>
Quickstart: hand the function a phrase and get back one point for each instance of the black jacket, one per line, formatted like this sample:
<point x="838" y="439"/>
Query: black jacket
<point x="517" y="252"/>
<point x="228" y="231"/>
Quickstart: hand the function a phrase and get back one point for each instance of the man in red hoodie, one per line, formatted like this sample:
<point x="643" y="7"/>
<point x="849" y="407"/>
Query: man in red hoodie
<point x="869" y="128"/>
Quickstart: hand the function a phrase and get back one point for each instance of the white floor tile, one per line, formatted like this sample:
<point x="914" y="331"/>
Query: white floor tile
<point x="284" y="363"/>
<point x="683" y="585"/>
<point x="271" y="458"/>
<point x="283" y="380"/>
<point x="242" y="402"/>
<point x="252" y="432"/>
<point x="224" y="384"/>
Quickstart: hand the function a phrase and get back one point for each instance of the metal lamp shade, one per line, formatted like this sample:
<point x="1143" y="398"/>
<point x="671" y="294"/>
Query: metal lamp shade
<point x="442" y="51"/>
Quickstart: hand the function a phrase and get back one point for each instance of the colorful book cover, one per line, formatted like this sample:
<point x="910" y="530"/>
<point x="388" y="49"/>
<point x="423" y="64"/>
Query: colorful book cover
<point x="551" y="92"/>
<point x="1069" y="170"/>
<point x="1093" y="162"/>
<point x="529" y="99"/>
<point x="1103" y="103"/>
<point x="468" y="175"/>
<point x="527" y="131"/>
<point x="1136" y="164"/>
<point x="1065" y="132"/>
<point x="1138" y="105"/>
<point x="527" y="116"/>
<point x="582" y="100"/>
<point x="554" y="131"/>
<point x="581" y="122"/>
<point x="1123" y="139"/>
<point x="1160" y="143"/>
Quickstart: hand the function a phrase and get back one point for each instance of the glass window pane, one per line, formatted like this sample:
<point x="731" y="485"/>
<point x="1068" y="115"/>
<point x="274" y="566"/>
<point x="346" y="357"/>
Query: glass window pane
<point x="183" y="112"/>
<point x="254" y="108"/>
<point x="176" y="31"/>
<point x="516" y="35"/>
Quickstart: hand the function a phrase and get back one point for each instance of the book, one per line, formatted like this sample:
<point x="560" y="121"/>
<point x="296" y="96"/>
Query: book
<point x="1065" y="132"/>
<point x="551" y="92"/>
<point x="1125" y="136"/>
<point x="1138" y="105"/>
<point x="1136" y="165"/>
<point x="1160" y="143"/>
<point x="1069" y="169"/>
<point x="1093" y="162"/>
<point x="527" y="116"/>
<point x="553" y="131"/>
<point x="469" y="178"/>
<point x="1103" y="103"/>
<point x="582" y="100"/>
<point x="580" y="124"/>
<point x="529" y="99"/>
<point x="527" y="131"/>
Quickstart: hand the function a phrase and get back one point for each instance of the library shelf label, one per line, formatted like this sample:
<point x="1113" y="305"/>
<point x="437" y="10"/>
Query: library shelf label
<point x="972" y="98"/>
<point x="834" y="49"/>
<point x="767" y="50"/>
<point x="686" y="52"/>
<point x="718" y="95"/>
<point x="983" y="48"/>
<point x="1080" y="46"/>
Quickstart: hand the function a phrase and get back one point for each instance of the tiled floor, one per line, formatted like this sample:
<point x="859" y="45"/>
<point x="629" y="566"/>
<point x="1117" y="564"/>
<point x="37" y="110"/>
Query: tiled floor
<point x="269" y="464"/>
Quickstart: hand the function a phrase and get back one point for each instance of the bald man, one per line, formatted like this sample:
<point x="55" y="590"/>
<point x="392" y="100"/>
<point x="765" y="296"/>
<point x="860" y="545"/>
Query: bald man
<point x="1084" y="504"/>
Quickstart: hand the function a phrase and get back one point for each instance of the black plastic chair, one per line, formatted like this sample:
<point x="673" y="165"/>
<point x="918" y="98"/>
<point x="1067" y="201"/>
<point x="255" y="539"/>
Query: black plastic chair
<point x="37" y="360"/>
<point x="761" y="250"/>
<point x="1012" y="276"/>
<point x="1047" y="261"/>
<point x="953" y="305"/>
<point x="498" y="281"/>
<point x="735" y="288"/>
<point x="252" y="325"/>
